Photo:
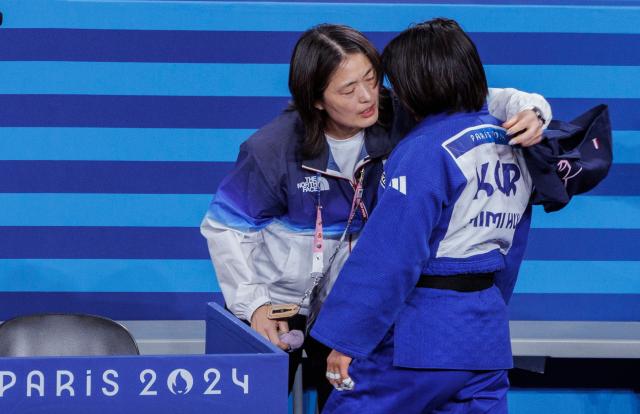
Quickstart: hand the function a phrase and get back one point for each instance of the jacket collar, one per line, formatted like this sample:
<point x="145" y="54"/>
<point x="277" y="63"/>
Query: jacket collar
<point x="377" y="144"/>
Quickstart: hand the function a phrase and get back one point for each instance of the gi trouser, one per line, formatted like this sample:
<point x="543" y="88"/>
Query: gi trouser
<point x="382" y="388"/>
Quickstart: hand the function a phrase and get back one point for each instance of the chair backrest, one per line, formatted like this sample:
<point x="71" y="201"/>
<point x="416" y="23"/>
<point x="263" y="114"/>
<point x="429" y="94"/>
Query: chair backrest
<point x="64" y="335"/>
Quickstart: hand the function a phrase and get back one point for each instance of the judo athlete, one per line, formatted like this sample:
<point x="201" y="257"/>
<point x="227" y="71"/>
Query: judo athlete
<point x="417" y="319"/>
<point x="297" y="178"/>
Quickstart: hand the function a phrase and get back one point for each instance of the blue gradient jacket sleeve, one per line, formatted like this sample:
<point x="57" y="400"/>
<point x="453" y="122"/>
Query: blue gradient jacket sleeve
<point x="247" y="200"/>
<point x="388" y="259"/>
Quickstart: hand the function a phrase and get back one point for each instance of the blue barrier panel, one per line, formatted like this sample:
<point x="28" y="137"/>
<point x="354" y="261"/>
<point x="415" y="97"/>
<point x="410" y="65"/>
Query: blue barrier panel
<point x="241" y="373"/>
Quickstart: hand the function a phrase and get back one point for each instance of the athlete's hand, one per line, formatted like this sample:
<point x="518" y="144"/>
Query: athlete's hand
<point x="529" y="126"/>
<point x="338" y="371"/>
<point x="269" y="328"/>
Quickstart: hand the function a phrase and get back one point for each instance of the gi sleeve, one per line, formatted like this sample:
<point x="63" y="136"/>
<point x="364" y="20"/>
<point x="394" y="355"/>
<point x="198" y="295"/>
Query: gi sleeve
<point x="246" y="202"/>
<point x="506" y="103"/>
<point x="390" y="254"/>
<point x="505" y="279"/>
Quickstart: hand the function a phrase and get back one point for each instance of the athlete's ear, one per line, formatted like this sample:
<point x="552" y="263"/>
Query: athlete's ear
<point x="318" y="105"/>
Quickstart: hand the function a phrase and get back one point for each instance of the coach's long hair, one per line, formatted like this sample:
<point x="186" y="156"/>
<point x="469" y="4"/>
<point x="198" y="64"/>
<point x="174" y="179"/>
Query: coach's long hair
<point x="316" y="56"/>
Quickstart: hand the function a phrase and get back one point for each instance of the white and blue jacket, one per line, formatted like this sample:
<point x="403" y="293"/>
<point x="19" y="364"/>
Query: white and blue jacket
<point x="260" y="225"/>
<point x="453" y="199"/>
<point x="261" y="222"/>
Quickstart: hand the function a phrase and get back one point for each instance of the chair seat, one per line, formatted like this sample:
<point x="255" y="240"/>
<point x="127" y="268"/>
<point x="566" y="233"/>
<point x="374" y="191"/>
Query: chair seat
<point x="64" y="335"/>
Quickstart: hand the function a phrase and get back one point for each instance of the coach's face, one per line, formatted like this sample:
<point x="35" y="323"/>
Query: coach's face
<point x="351" y="97"/>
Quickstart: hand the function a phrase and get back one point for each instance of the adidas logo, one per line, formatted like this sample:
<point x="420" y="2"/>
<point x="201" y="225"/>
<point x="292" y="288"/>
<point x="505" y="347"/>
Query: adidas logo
<point x="400" y="184"/>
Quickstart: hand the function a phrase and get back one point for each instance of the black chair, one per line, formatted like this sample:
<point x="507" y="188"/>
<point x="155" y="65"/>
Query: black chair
<point x="64" y="335"/>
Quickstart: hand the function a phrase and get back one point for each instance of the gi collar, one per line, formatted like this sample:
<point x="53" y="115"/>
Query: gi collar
<point x="435" y="118"/>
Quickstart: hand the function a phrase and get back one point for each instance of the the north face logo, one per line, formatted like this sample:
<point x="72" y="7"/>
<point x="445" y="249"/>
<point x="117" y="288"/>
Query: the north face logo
<point x="313" y="184"/>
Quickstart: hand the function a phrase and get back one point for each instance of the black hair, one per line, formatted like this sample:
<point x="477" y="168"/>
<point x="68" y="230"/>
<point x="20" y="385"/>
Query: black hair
<point x="434" y="67"/>
<point x="316" y="56"/>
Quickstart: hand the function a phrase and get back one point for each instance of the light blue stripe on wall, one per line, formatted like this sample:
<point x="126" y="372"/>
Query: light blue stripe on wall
<point x="574" y="401"/>
<point x="161" y="144"/>
<point x="121" y="144"/>
<point x="592" y="212"/>
<point x="626" y="147"/>
<point x="119" y="275"/>
<point x="187" y="210"/>
<point x="568" y="81"/>
<point x="280" y="16"/>
<point x="229" y="79"/>
<point x="597" y="277"/>
<point x="134" y="210"/>
<point x="127" y="78"/>
<point x="47" y="275"/>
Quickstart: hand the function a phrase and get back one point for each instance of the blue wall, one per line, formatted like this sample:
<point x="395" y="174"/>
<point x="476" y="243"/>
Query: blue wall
<point x="118" y="119"/>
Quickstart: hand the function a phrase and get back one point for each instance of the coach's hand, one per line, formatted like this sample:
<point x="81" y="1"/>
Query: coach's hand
<point x="528" y="127"/>
<point x="269" y="328"/>
<point x="338" y="371"/>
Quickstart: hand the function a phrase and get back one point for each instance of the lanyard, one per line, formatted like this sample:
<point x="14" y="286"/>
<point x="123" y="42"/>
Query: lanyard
<point x="317" y="260"/>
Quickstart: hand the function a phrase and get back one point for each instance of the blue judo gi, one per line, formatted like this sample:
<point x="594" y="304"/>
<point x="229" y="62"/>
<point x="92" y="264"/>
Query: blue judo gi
<point x="453" y="199"/>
